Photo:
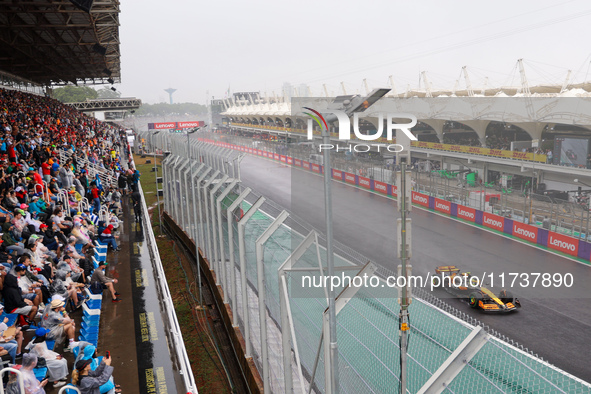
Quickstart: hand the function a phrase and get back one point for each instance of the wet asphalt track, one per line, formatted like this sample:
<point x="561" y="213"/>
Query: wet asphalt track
<point x="555" y="323"/>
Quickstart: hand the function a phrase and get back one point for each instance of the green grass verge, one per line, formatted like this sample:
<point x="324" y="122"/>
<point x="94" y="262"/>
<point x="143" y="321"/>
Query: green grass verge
<point x="148" y="178"/>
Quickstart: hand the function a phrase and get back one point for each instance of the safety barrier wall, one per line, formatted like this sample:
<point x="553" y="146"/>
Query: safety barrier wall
<point x="535" y="235"/>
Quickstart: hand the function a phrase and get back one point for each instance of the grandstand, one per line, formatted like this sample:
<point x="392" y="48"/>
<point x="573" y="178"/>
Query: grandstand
<point x="66" y="260"/>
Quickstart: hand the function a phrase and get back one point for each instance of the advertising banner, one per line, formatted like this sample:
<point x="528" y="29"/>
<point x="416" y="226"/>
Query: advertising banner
<point x="306" y="165"/>
<point x="380" y="187"/>
<point x="336" y="174"/>
<point x="161" y="126"/>
<point x="466" y="213"/>
<point x="563" y="243"/>
<point x="364" y="182"/>
<point x="188" y="125"/>
<point x="350" y="178"/>
<point x="297" y="162"/>
<point x="442" y="206"/>
<point x="316" y="168"/>
<point x="420" y="199"/>
<point x="493" y="221"/>
<point x="394" y="191"/>
<point x="525" y="231"/>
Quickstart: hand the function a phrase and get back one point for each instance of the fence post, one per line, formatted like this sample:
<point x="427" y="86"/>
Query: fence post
<point x="198" y="213"/>
<point x="262" y="296"/>
<point x="243" y="278"/>
<point x="221" y="198"/>
<point x="206" y="210"/>
<point x="229" y="211"/>
<point x="214" y="227"/>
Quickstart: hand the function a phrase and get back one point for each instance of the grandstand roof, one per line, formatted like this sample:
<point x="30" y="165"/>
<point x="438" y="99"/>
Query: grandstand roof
<point x="52" y="42"/>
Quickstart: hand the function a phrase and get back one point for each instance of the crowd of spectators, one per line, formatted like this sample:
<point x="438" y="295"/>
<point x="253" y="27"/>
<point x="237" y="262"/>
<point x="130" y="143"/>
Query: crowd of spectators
<point x="47" y="235"/>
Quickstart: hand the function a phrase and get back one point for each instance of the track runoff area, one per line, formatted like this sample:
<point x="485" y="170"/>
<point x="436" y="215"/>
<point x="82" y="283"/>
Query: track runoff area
<point x="551" y="319"/>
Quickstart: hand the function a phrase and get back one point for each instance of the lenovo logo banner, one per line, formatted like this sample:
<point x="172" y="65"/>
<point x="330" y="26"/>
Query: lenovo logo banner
<point x="297" y="162"/>
<point x="442" y="206"/>
<point x="315" y="168"/>
<point x="364" y="182"/>
<point x="175" y="125"/>
<point x="525" y="231"/>
<point x="161" y="126"/>
<point x="380" y="187"/>
<point x="188" y="125"/>
<point x="349" y="178"/>
<point x="337" y="174"/>
<point x="493" y="221"/>
<point x="563" y="243"/>
<point x="420" y="199"/>
<point x="394" y="191"/>
<point x="466" y="213"/>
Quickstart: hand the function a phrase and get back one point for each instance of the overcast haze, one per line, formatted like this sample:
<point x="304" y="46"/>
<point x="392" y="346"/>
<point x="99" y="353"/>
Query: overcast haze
<point x="258" y="45"/>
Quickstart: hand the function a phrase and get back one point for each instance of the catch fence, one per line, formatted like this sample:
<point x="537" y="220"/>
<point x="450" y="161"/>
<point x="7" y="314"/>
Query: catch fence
<point x="259" y="253"/>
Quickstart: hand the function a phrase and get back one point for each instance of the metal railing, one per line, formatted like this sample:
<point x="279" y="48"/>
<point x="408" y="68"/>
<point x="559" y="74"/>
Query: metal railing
<point x="173" y="327"/>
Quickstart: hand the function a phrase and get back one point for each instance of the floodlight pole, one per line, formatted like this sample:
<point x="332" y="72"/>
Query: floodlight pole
<point x="404" y="301"/>
<point x="157" y="187"/>
<point x="332" y="318"/>
<point x="195" y="218"/>
<point x="404" y="253"/>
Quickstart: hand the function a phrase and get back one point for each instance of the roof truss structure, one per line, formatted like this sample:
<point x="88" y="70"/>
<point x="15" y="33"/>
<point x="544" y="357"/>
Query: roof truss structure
<point x="52" y="42"/>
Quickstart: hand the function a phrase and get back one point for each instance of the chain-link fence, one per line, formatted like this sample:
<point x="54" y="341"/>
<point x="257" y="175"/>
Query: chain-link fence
<point x="251" y="242"/>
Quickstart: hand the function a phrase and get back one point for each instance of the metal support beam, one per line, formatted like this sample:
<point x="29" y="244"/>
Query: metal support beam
<point x="284" y="307"/>
<point x="216" y="262"/>
<point x="261" y="286"/>
<point x="454" y="364"/>
<point x="221" y="197"/>
<point x="194" y="233"/>
<point x="201" y="236"/>
<point x="229" y="211"/>
<point x="206" y="210"/>
<point x="243" y="279"/>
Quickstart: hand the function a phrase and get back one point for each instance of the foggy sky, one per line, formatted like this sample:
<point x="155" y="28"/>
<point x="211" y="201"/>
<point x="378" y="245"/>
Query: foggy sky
<point x="198" y="46"/>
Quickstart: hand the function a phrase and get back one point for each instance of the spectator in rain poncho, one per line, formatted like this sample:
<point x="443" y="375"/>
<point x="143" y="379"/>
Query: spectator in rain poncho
<point x="79" y="187"/>
<point x="66" y="176"/>
<point x="57" y="366"/>
<point x="32" y="385"/>
<point x="58" y="286"/>
<point x="65" y="274"/>
<point x="57" y="321"/>
<point x="88" y="352"/>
